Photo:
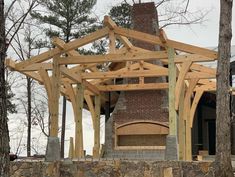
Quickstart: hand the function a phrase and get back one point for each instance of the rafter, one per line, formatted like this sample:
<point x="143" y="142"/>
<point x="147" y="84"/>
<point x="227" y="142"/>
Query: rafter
<point x="67" y="47"/>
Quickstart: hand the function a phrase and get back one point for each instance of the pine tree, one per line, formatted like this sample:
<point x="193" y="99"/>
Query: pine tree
<point x="67" y="19"/>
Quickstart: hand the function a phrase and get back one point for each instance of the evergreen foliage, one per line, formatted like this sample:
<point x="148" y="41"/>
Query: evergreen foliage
<point x="68" y="19"/>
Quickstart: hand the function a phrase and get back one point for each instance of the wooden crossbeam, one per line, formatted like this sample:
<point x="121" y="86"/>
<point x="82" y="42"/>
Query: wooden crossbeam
<point x="152" y="55"/>
<point x="205" y="88"/>
<point x="130" y="87"/>
<point x="170" y="43"/>
<point x="131" y="67"/>
<point x="199" y="75"/>
<point x="204" y="69"/>
<point x="77" y="78"/>
<point x="67" y="47"/>
<point x="124" y="74"/>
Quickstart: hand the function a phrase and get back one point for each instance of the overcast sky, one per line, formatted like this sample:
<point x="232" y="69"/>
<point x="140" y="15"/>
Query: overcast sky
<point x="205" y="35"/>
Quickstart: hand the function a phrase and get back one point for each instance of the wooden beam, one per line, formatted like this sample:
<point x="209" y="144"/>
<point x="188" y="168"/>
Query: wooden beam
<point x="77" y="78"/>
<point x="71" y="148"/>
<point x="55" y="94"/>
<point x="79" y="152"/>
<point x="170" y="43"/>
<point x="132" y="67"/>
<point x="96" y="149"/>
<point x="189" y="57"/>
<point x="152" y="55"/>
<point x="48" y="86"/>
<point x="130" y="87"/>
<point x="151" y="66"/>
<point x="91" y="108"/>
<point x="187" y="103"/>
<point x="181" y="129"/>
<point x="38" y="66"/>
<point x="202" y="68"/>
<point x="199" y="75"/>
<point x="112" y="42"/>
<point x="67" y="47"/>
<point x="180" y="81"/>
<point x="163" y="36"/>
<point x="72" y="96"/>
<point x="172" y="83"/>
<point x="205" y="88"/>
<point x="124" y="74"/>
<point x="193" y="108"/>
<point x="125" y="41"/>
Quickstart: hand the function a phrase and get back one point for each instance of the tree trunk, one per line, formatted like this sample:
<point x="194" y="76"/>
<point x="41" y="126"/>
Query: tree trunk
<point x="223" y="167"/>
<point x="29" y="115"/>
<point x="4" y="134"/>
<point x="63" y="128"/>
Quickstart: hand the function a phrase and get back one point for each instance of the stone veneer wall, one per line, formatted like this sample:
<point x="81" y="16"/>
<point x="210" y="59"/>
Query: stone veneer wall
<point x="109" y="169"/>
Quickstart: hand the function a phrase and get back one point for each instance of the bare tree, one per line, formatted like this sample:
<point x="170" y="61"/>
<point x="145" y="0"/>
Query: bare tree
<point x="24" y="49"/>
<point x="223" y="167"/>
<point x="4" y="133"/>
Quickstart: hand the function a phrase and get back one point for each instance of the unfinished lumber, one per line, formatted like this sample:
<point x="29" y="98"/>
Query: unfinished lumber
<point x="96" y="149"/>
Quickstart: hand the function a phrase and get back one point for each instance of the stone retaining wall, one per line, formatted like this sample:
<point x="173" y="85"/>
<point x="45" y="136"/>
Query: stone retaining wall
<point x="112" y="168"/>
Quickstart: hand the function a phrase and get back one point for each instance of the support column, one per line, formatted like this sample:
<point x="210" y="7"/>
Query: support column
<point x="79" y="152"/>
<point x="181" y="128"/>
<point x="187" y="106"/>
<point x="96" y="148"/>
<point x="71" y="148"/>
<point x="172" y="140"/>
<point x="53" y="144"/>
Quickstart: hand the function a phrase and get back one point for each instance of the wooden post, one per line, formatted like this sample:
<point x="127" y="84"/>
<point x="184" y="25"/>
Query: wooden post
<point x="96" y="149"/>
<point x="71" y="148"/>
<point x="79" y="152"/>
<point x="181" y="132"/>
<point x="55" y="94"/>
<point x="187" y="106"/>
<point x="172" y="83"/>
<point x="112" y="44"/>
<point x="188" y="136"/>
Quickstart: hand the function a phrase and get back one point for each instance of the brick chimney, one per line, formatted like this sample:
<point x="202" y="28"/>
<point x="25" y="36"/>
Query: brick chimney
<point x="138" y="109"/>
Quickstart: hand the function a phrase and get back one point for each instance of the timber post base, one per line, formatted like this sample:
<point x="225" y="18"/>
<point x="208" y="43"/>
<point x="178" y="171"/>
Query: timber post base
<point x="53" y="149"/>
<point x="96" y="152"/>
<point x="171" y="152"/>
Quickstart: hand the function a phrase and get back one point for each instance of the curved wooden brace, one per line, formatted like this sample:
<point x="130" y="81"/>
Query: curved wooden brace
<point x="71" y="94"/>
<point x="190" y="89"/>
<point x="91" y="107"/>
<point x="180" y="81"/>
<point x="187" y="103"/>
<point x="196" y="100"/>
<point x="47" y="82"/>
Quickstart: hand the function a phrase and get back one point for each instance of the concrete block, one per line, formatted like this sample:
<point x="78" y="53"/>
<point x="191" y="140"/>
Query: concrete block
<point x="171" y="148"/>
<point x="53" y="149"/>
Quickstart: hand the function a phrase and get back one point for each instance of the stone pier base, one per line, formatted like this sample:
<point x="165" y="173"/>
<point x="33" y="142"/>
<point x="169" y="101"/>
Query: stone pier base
<point x="53" y="149"/>
<point x="171" y="148"/>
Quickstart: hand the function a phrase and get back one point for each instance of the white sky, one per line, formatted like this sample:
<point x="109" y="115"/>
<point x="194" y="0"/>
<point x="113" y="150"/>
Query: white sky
<point x="205" y="35"/>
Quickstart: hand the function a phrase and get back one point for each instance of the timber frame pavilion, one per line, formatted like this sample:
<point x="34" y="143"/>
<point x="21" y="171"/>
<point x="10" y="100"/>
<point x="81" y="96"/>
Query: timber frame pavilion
<point x="187" y="80"/>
